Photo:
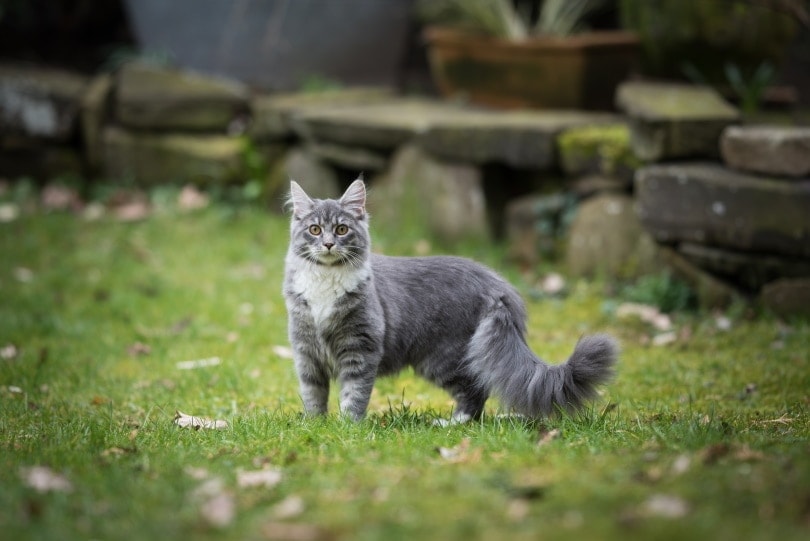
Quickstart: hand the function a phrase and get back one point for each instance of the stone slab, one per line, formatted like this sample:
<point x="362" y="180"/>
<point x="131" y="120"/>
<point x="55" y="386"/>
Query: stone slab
<point x="711" y="291"/>
<point x="523" y="139"/>
<point x="770" y="150"/>
<point x="674" y="120"/>
<point x="709" y="204"/>
<point x="788" y="297"/>
<point x="148" y="158"/>
<point x="748" y="271"/>
<point x="155" y="98"/>
<point x="39" y="103"/>
<point x="274" y="114"/>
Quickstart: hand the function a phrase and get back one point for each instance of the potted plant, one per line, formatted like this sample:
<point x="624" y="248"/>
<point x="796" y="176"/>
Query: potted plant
<point x="490" y="53"/>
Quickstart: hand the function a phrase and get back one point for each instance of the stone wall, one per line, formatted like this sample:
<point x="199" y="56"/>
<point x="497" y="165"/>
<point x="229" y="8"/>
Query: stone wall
<point x="619" y="195"/>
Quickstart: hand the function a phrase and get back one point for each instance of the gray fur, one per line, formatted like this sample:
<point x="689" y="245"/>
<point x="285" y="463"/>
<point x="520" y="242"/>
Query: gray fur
<point x="354" y="316"/>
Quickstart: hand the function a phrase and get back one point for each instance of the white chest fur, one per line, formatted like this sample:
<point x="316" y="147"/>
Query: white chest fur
<point x="322" y="286"/>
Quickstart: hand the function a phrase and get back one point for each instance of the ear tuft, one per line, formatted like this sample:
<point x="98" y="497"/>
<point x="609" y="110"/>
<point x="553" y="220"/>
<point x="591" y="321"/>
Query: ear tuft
<point x="354" y="199"/>
<point x="299" y="200"/>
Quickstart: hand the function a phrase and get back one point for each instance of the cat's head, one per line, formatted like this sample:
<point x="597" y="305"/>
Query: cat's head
<point x="330" y="231"/>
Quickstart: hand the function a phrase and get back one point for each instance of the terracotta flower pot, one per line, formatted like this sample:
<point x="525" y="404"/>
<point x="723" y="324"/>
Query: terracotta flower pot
<point x="576" y="72"/>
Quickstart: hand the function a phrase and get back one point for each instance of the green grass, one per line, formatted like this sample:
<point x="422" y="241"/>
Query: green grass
<point x="717" y="421"/>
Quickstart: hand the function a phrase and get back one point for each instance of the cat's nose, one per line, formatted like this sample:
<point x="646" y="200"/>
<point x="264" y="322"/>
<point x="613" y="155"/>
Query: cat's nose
<point x="328" y="245"/>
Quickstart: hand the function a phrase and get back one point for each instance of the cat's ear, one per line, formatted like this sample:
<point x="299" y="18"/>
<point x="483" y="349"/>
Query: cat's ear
<point x="354" y="199"/>
<point x="299" y="200"/>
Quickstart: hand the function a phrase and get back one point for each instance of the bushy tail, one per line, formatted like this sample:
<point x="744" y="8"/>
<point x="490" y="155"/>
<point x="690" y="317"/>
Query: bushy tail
<point x="528" y="385"/>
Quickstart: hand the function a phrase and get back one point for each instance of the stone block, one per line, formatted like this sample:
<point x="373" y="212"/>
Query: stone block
<point x="380" y="126"/>
<point x="155" y="98"/>
<point x="597" y="150"/>
<point x="357" y="159"/>
<point x="769" y="150"/>
<point x="274" y="115"/>
<point x="711" y="291"/>
<point x="747" y="271"/>
<point x="520" y="139"/>
<point x="39" y="103"/>
<point x="707" y="203"/>
<point x="606" y="237"/>
<point x="149" y="158"/>
<point x="534" y="225"/>
<point x="674" y="120"/>
<point x="788" y="297"/>
<point x="425" y="196"/>
<point x="95" y="112"/>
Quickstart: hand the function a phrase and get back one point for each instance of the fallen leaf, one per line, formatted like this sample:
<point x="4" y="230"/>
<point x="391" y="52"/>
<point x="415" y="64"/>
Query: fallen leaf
<point x="24" y="275"/>
<point x="284" y="531"/>
<point x="191" y="198"/>
<point x="681" y="465"/>
<point x="283" y="351"/>
<point x="267" y="478"/>
<point x="184" y="420"/>
<point x="665" y="506"/>
<point x="646" y="313"/>
<point x="58" y="197"/>
<point x="132" y="211"/>
<point x="664" y="339"/>
<point x="218" y="507"/>
<point x="9" y="212"/>
<point x="553" y="284"/>
<point x="44" y="479"/>
<point x="8" y="352"/>
<point x="139" y="348"/>
<point x="461" y="453"/>
<point x="198" y="363"/>
<point x="289" y="507"/>
<point x="548" y="436"/>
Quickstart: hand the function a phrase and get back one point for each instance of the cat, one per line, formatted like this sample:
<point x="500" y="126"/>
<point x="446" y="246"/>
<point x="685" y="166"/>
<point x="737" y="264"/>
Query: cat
<point x="354" y="315"/>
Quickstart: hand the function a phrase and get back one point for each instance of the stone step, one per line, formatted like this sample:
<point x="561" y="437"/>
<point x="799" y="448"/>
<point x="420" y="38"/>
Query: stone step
<point x="709" y="204"/>
<point x="749" y="271"/>
<point x="523" y="139"/>
<point x="150" y="159"/>
<point x="156" y="98"/>
<point x="674" y="120"/>
<point x="770" y="150"/>
<point x="275" y="115"/>
<point x="39" y="103"/>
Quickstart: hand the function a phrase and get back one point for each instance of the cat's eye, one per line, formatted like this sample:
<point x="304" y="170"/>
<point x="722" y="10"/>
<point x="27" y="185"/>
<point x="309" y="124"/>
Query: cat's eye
<point x="342" y="229"/>
<point x="315" y="230"/>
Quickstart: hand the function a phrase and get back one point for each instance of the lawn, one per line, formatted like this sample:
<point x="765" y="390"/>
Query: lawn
<point x="108" y="327"/>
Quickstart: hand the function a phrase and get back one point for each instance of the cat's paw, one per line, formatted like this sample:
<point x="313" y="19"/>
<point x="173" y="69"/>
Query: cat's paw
<point x="456" y="419"/>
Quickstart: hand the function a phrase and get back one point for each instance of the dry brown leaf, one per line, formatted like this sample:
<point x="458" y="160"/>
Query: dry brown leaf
<point x="284" y="531"/>
<point x="44" y="479"/>
<point x="461" y="453"/>
<point x="9" y="352"/>
<point x="283" y="351"/>
<point x="199" y="363"/>
<point x="648" y="314"/>
<point x="289" y="507"/>
<point x="132" y="212"/>
<point x="184" y="420"/>
<point x="548" y="436"/>
<point x="191" y="198"/>
<point x="267" y="478"/>
<point x="665" y="506"/>
<point x="218" y="505"/>
<point x="138" y="349"/>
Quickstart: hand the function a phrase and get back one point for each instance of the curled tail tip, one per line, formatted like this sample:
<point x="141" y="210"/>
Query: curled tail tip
<point x="594" y="358"/>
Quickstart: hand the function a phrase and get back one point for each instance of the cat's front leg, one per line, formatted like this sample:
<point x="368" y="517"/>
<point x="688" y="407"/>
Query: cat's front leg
<point x="356" y="376"/>
<point x="313" y="382"/>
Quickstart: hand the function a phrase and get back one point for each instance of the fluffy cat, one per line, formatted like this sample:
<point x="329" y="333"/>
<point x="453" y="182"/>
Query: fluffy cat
<point x="355" y="315"/>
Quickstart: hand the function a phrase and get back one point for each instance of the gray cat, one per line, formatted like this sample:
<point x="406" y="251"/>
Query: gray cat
<point x="355" y="315"/>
